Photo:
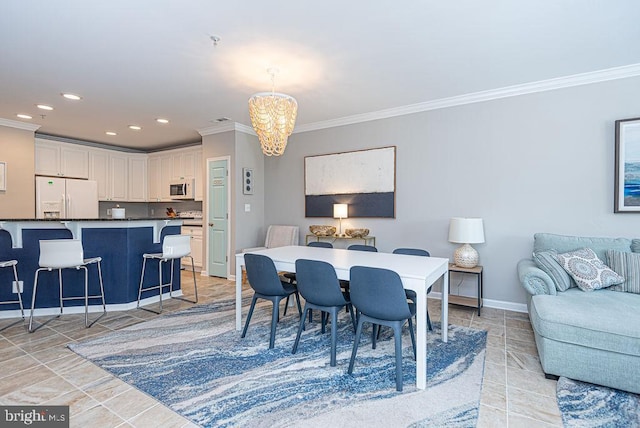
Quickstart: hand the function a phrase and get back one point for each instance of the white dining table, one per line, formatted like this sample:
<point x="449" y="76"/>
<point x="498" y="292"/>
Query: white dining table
<point x="417" y="274"/>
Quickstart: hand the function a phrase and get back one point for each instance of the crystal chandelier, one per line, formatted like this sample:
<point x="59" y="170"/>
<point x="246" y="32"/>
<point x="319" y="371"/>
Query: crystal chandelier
<point x="273" y="117"/>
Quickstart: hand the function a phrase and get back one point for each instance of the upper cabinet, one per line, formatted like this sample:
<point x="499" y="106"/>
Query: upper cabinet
<point x="110" y="169"/>
<point x="61" y="159"/>
<point x="175" y="164"/>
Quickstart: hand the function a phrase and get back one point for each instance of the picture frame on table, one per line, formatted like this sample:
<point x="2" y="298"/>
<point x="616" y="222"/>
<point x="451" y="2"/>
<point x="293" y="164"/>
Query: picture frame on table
<point x="3" y="176"/>
<point x="627" y="166"/>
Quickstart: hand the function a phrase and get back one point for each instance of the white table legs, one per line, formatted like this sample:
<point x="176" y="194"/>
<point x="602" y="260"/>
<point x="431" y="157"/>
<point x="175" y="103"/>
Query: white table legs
<point x="239" y="265"/>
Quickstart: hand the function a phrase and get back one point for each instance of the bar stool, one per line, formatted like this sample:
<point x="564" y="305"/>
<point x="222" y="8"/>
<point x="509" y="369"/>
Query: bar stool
<point x="13" y="263"/>
<point x="61" y="254"/>
<point x="173" y="247"/>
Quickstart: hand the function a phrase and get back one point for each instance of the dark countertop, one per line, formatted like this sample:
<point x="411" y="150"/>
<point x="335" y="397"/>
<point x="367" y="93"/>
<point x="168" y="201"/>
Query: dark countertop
<point x="100" y="219"/>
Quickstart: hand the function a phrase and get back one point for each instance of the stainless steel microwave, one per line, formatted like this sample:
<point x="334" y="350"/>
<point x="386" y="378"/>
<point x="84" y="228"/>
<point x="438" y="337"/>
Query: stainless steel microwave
<point x="182" y="189"/>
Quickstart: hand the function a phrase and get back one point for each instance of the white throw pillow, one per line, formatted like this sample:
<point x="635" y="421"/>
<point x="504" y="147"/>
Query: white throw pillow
<point x="587" y="270"/>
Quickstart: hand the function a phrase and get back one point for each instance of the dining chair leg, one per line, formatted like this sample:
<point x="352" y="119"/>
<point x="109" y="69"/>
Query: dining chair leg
<point x="286" y="305"/>
<point x="413" y="338"/>
<point x="298" y="302"/>
<point x="300" y="328"/>
<point x="375" y="329"/>
<point x="246" y="324"/>
<point x="334" y="335"/>
<point x="274" y="321"/>
<point x="397" y="333"/>
<point x="354" y="351"/>
<point x="353" y="318"/>
<point x="429" y="322"/>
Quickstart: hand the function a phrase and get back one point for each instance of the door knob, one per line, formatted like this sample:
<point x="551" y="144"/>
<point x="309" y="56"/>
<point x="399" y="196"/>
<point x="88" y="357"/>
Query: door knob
<point x="210" y="224"/>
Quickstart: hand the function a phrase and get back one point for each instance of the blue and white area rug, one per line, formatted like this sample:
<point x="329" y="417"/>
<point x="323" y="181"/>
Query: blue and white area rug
<point x="584" y="405"/>
<point x="195" y="362"/>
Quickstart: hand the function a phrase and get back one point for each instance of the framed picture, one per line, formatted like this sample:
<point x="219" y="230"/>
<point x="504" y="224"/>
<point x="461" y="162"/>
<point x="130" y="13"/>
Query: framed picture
<point x="3" y="176"/>
<point x="365" y="180"/>
<point x="627" y="180"/>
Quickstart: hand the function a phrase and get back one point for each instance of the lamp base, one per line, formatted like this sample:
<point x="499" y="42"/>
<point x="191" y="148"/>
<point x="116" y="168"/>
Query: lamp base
<point x="465" y="256"/>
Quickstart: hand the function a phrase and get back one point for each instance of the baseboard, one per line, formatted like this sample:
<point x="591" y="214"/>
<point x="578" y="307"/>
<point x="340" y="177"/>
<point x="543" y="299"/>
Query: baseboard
<point x="490" y="303"/>
<point x="92" y="308"/>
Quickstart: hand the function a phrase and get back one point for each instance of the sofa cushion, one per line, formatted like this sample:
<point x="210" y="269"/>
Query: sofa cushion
<point x="546" y="260"/>
<point x="628" y="266"/>
<point x="602" y="319"/>
<point x="587" y="270"/>
<point x="564" y="243"/>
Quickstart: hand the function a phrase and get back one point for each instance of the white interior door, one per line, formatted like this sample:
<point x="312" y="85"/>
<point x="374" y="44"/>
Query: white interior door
<point x="218" y="217"/>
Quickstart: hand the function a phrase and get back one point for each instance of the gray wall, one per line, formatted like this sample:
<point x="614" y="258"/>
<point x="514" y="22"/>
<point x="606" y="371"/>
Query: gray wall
<point x="17" y="150"/>
<point x="533" y="163"/>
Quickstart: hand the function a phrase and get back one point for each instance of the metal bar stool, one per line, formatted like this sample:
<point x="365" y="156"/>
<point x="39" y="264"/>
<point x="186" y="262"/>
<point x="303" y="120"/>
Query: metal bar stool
<point x="13" y="263"/>
<point x="173" y="247"/>
<point x="58" y="254"/>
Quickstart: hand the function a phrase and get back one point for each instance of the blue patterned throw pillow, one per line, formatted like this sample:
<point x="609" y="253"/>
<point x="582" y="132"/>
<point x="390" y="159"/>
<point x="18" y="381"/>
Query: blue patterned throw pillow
<point x="587" y="270"/>
<point x="627" y="265"/>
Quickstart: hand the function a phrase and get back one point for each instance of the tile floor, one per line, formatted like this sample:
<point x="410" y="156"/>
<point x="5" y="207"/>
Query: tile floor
<point x="38" y="369"/>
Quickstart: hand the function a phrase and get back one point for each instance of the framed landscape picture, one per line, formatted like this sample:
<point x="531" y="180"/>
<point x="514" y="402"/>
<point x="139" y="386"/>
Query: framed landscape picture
<point x="627" y="179"/>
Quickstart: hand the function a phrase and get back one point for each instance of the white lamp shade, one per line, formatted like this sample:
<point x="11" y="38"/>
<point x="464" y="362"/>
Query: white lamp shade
<point x="340" y="210"/>
<point x="466" y="230"/>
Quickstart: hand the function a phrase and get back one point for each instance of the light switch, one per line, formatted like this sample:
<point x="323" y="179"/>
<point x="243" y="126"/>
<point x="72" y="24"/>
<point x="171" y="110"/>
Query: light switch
<point x="247" y="208"/>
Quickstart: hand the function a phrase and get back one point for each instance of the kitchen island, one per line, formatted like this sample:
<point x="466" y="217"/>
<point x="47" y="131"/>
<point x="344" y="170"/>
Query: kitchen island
<point x="121" y="244"/>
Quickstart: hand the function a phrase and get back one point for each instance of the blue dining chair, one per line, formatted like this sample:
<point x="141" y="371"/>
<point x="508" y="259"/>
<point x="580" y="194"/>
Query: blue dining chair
<point x="291" y="276"/>
<point x="379" y="298"/>
<point x="263" y="278"/>
<point x="360" y="247"/>
<point x="319" y="286"/>
<point x="411" y="295"/>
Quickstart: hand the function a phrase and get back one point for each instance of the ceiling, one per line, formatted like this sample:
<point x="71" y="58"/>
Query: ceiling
<point x="133" y="61"/>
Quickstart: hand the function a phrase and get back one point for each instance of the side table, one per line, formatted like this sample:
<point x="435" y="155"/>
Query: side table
<point x="464" y="300"/>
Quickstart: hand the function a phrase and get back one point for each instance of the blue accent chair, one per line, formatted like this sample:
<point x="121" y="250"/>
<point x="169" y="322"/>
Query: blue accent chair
<point x="379" y="298"/>
<point x="263" y="278"/>
<point x="319" y="286"/>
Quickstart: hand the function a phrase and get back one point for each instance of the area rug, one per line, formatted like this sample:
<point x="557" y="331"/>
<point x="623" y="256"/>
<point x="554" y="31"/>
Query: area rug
<point x="585" y="405"/>
<point x="195" y="362"/>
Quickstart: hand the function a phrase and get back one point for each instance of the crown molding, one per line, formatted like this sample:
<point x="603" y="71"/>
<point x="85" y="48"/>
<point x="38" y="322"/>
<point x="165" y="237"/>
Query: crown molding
<point x="19" y="125"/>
<point x="615" y="73"/>
<point x="226" y="127"/>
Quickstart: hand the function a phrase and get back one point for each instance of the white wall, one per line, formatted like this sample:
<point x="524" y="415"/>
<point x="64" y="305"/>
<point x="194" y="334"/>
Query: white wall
<point x="534" y="163"/>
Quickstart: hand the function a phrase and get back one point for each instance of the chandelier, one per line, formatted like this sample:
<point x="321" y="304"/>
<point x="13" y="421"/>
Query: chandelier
<point x="273" y="116"/>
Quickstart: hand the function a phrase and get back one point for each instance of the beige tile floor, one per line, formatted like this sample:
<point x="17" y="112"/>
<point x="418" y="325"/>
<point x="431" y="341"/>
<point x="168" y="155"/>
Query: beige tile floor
<point x="38" y="368"/>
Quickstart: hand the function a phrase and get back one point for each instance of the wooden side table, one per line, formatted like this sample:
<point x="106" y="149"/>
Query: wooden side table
<point x="464" y="300"/>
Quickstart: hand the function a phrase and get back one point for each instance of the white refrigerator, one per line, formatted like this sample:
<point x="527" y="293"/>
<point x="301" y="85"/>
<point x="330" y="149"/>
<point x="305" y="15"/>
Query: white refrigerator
<point x="66" y="198"/>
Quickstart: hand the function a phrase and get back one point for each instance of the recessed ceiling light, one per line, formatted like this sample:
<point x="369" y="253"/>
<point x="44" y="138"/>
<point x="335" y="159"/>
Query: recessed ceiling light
<point x="23" y="116"/>
<point x="160" y="120"/>
<point x="110" y="133"/>
<point x="44" y="107"/>
<point x="73" y="97"/>
<point x="135" y="127"/>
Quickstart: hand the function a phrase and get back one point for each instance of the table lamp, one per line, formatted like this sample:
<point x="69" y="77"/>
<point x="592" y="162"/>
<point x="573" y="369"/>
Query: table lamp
<point x="466" y="231"/>
<point x="340" y="211"/>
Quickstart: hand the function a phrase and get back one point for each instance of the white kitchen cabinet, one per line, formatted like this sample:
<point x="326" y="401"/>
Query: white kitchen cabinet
<point x="166" y="175"/>
<point x="176" y="164"/>
<point x="61" y="159"/>
<point x="99" y="171"/>
<point x="154" y="176"/>
<point x="119" y="180"/>
<point x="195" y="232"/>
<point x="110" y="169"/>
<point x="137" y="191"/>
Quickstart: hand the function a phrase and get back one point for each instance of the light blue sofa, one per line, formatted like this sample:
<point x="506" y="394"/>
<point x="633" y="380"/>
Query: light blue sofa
<point x="589" y="336"/>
